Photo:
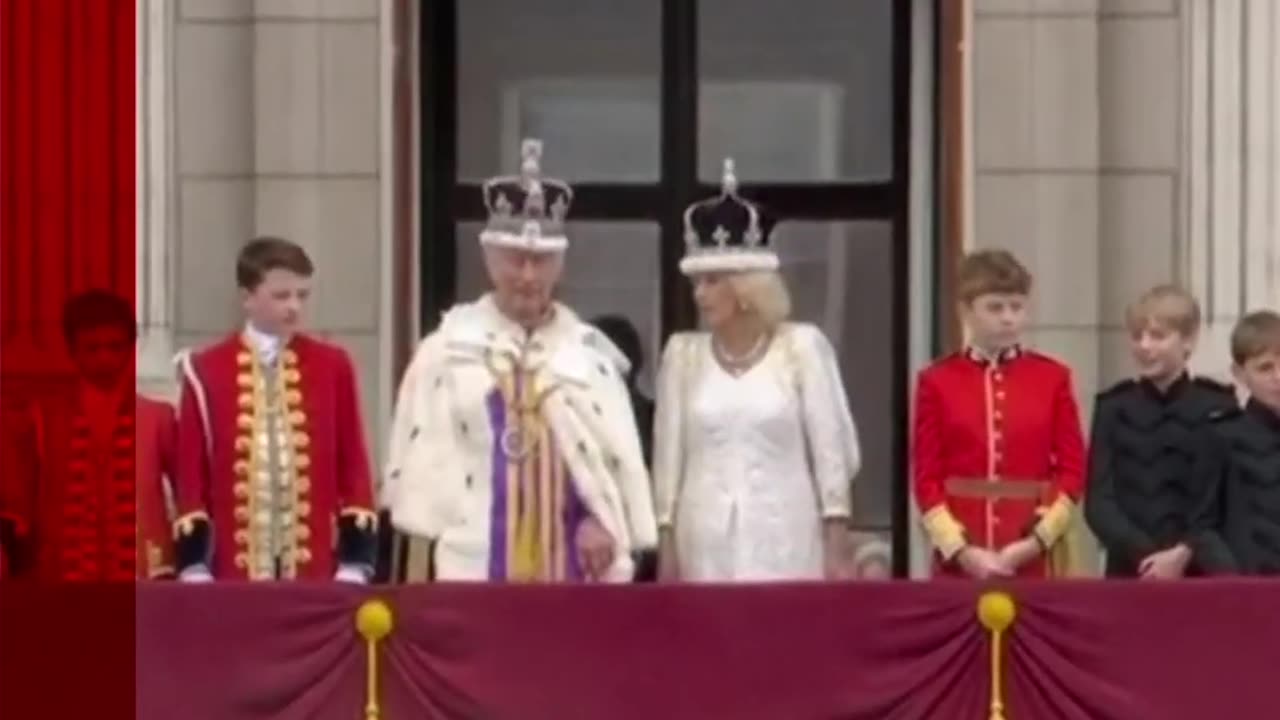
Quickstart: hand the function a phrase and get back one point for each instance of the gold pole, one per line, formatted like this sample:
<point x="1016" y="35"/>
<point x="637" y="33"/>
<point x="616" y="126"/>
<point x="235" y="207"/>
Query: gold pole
<point x="996" y="612"/>
<point x="373" y="622"/>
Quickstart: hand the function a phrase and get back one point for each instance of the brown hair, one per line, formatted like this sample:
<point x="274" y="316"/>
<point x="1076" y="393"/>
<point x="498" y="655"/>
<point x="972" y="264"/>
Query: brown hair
<point x="264" y="254"/>
<point x="1255" y="334"/>
<point x="991" y="271"/>
<point x="1167" y="306"/>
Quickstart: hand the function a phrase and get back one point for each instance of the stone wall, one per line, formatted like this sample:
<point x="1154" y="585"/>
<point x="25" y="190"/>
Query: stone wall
<point x="275" y="121"/>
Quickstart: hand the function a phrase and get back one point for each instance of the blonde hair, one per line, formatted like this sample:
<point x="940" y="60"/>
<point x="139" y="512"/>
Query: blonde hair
<point x="1255" y="334"/>
<point x="1167" y="306"/>
<point x="764" y="293"/>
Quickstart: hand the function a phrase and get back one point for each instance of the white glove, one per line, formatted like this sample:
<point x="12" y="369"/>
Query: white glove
<point x="195" y="574"/>
<point x="352" y="574"/>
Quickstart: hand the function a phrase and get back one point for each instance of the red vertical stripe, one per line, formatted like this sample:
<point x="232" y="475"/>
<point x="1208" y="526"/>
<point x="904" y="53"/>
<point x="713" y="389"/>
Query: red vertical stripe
<point x="123" y="268"/>
<point x="67" y="89"/>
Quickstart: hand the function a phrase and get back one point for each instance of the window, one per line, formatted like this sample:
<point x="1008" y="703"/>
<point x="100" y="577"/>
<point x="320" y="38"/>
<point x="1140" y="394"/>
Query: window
<point x="638" y="104"/>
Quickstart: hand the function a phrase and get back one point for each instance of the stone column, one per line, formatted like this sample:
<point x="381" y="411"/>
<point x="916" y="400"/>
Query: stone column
<point x="154" y="196"/>
<point x="1231" y="223"/>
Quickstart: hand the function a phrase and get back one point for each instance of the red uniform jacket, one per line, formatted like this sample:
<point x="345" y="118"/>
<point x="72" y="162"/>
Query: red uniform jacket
<point x="157" y="429"/>
<point x="219" y="461"/>
<point x="998" y="453"/>
<point x="76" y="466"/>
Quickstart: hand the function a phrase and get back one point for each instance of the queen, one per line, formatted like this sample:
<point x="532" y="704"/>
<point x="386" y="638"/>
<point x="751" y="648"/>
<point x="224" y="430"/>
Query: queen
<point x="755" y="446"/>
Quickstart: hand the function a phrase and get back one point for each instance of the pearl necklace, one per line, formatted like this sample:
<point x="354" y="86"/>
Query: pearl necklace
<point x="736" y="364"/>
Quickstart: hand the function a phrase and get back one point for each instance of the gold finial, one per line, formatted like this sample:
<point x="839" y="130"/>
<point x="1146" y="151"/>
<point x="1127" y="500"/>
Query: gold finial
<point x="374" y="622"/>
<point x="996" y="612"/>
<point x="729" y="180"/>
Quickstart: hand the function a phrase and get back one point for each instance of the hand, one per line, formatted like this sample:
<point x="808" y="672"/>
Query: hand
<point x="195" y="574"/>
<point x="982" y="564"/>
<point x="595" y="548"/>
<point x="353" y="574"/>
<point x="668" y="565"/>
<point x="837" y="555"/>
<point x="1019" y="553"/>
<point x="1168" y="564"/>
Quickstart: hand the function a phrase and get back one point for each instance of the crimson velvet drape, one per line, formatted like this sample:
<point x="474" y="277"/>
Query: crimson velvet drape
<point x="893" y="651"/>
<point x="67" y="136"/>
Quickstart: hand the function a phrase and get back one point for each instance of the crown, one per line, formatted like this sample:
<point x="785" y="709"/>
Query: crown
<point x="727" y="233"/>
<point x="527" y="211"/>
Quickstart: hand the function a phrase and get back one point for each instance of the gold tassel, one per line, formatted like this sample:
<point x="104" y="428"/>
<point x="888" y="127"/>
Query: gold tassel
<point x="996" y="612"/>
<point x="374" y="622"/>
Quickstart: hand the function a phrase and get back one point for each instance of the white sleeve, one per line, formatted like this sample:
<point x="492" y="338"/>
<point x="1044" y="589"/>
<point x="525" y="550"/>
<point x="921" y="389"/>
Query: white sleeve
<point x="830" y="431"/>
<point x="668" y="430"/>
<point x="632" y="476"/>
<point x="398" y="436"/>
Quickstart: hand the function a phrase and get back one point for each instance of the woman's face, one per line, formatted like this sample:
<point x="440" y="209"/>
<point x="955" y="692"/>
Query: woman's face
<point x="717" y="302"/>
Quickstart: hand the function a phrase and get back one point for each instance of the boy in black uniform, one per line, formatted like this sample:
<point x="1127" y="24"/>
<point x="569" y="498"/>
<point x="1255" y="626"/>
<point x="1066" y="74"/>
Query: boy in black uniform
<point x="1141" y="495"/>
<point x="1243" y="457"/>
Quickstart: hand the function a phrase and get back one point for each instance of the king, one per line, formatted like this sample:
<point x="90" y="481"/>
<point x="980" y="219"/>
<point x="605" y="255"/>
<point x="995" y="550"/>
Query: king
<point x="274" y="478"/>
<point x="514" y="452"/>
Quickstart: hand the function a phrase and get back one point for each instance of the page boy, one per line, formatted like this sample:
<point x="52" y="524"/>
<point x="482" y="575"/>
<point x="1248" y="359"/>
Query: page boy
<point x="996" y="446"/>
<point x="1141" y="493"/>
<point x="1243" y="458"/>
<point x="274" y="478"/>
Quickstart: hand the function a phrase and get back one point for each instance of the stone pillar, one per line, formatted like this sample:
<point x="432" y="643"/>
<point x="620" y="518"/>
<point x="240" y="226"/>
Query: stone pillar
<point x="1232" y="188"/>
<point x="152" y="294"/>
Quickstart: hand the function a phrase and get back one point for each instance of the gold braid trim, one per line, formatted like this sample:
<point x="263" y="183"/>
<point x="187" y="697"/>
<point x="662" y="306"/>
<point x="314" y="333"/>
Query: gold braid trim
<point x="365" y="518"/>
<point x="944" y="531"/>
<point x="1054" y="522"/>
<point x="186" y="524"/>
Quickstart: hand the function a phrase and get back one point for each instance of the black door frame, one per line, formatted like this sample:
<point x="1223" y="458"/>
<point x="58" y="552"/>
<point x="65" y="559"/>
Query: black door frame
<point x="444" y="201"/>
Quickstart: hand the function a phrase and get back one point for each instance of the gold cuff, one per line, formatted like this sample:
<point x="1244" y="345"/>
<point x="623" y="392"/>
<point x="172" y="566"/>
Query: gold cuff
<point x="186" y="524"/>
<point x="365" y="519"/>
<point x="944" y="531"/>
<point x="1054" y="521"/>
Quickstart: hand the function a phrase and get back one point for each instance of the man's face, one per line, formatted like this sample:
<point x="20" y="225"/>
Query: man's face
<point x="1159" y="351"/>
<point x="102" y="354"/>
<point x="996" y="320"/>
<point x="1260" y="375"/>
<point x="523" y="281"/>
<point x="275" y="306"/>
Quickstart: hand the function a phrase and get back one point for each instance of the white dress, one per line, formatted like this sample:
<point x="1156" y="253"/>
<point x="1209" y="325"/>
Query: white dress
<point x="748" y="466"/>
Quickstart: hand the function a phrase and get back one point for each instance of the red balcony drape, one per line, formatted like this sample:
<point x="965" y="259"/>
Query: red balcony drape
<point x="67" y="147"/>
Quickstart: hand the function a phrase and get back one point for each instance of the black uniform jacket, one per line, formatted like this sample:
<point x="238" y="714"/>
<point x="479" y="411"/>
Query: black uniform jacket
<point x="1244" y="461"/>
<point x="1142" y="494"/>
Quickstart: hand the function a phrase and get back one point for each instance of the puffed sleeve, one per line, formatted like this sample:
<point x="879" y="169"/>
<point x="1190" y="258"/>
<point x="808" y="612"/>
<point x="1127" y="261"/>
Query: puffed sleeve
<point x="398" y="435"/>
<point x="668" y="428"/>
<point x="425" y="481"/>
<point x="830" y="431"/>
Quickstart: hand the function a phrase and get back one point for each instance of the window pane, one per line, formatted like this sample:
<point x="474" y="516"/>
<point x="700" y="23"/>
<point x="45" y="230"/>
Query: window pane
<point x="581" y="75"/>
<point x="796" y="91"/>
<point x="610" y="268"/>
<point x="841" y="279"/>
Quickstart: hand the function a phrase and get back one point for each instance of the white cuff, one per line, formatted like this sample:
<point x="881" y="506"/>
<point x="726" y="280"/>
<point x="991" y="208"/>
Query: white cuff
<point x="355" y="574"/>
<point x="195" y="574"/>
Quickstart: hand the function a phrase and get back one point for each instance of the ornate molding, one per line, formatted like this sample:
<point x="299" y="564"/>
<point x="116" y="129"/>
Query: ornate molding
<point x="1231" y="178"/>
<point x="155" y="163"/>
